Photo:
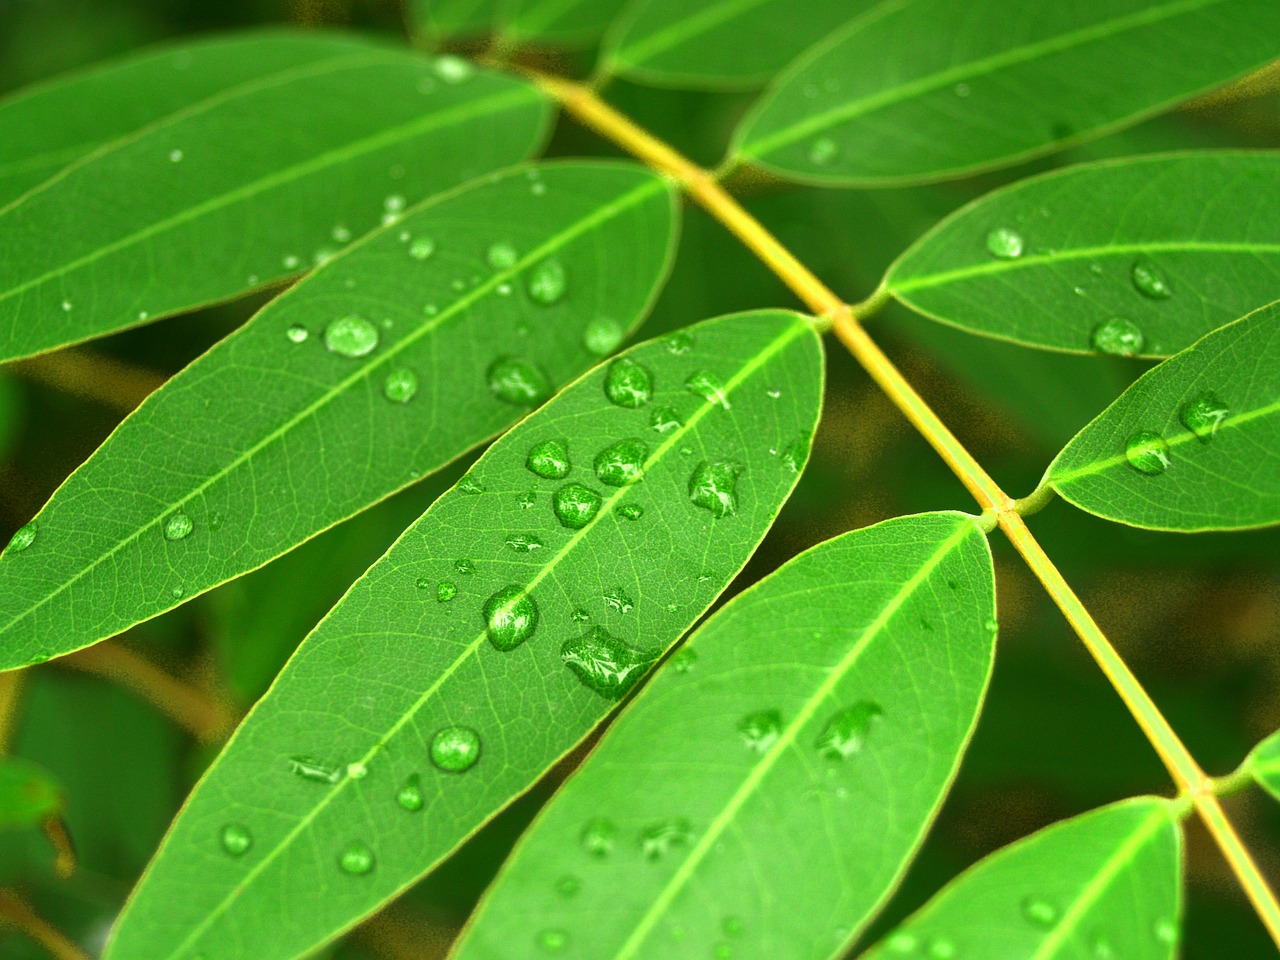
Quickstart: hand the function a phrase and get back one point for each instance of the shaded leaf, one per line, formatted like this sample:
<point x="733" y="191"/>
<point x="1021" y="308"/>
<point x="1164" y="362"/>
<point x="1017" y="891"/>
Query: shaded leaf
<point x="28" y="794"/>
<point x="1192" y="445"/>
<point x="1265" y="764"/>
<point x="931" y="89"/>
<point x="778" y="774"/>
<point x="558" y="21"/>
<point x="1104" y="884"/>
<point x="439" y="20"/>
<point x="270" y="437"/>
<point x="462" y="665"/>
<point x="227" y="194"/>
<point x="1174" y="245"/>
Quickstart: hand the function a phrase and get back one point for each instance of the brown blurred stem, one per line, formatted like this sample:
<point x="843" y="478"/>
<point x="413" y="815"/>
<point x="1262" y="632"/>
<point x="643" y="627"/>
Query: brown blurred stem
<point x="89" y="376"/>
<point x="16" y="912"/>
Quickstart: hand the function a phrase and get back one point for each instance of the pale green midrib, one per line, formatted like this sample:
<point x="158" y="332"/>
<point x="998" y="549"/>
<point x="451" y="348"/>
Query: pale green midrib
<point x="680" y="878"/>
<point x="48" y="158"/>
<point x="650" y="187"/>
<point x="967" y="71"/>
<point x="706" y="19"/>
<point x="1098" y="466"/>
<point x="1121" y="857"/>
<point x="781" y="342"/>
<point x="461" y="113"/>
<point x="929" y="280"/>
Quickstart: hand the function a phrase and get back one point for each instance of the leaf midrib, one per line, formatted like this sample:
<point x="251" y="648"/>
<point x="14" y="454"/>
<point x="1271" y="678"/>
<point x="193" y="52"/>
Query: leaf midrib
<point x="708" y="18"/>
<point x="644" y="926"/>
<point x="598" y="216"/>
<point x="798" y="327"/>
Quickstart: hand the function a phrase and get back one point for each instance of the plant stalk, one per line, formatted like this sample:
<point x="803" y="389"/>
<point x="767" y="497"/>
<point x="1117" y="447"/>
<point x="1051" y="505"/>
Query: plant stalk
<point x="16" y="912"/>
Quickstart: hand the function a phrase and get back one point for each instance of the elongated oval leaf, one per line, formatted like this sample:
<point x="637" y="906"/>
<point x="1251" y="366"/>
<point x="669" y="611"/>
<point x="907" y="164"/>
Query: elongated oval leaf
<point x="929" y="89"/>
<point x="228" y="194"/>
<point x="385" y="364"/>
<point x="725" y="43"/>
<point x="439" y="20"/>
<point x="558" y="22"/>
<point x="488" y="641"/>
<point x="1192" y="445"/>
<point x="1105" y="884"/>
<point x="806" y="734"/>
<point x="1171" y="247"/>
<point x="1265" y="764"/>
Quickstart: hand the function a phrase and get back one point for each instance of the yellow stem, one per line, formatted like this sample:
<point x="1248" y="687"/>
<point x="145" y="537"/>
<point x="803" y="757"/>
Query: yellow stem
<point x="16" y="912"/>
<point x="703" y="187"/>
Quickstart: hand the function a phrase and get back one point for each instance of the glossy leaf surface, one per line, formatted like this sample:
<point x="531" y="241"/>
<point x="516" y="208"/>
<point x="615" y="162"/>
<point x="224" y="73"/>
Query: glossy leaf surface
<point x="780" y="771"/>
<point x="1265" y="764"/>
<point x="1175" y="245"/>
<point x="1105" y="884"/>
<point x="931" y="89"/>
<point x="287" y="427"/>
<point x="1192" y="445"/>
<point x="228" y="194"/>
<point x="484" y="616"/>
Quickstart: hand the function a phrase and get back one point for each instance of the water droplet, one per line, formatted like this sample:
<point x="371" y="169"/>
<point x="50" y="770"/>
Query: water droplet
<point x="553" y="941"/>
<point x="822" y="151"/>
<point x="773" y="393"/>
<point x="394" y="203"/>
<point x="1150" y="280"/>
<point x="409" y="796"/>
<point x="685" y="659"/>
<point x="1117" y="337"/>
<point x="796" y="454"/>
<point x="22" y="538"/>
<point x="760" y="730"/>
<point x="175" y="156"/>
<point x="422" y="248"/>
<point x="1005" y="243"/>
<point x="549" y="459"/>
<point x="722" y="951"/>
<point x="452" y="69"/>
<point x="524" y="543"/>
<point x="631" y="511"/>
<point x="962" y="89"/>
<point x="527" y="499"/>
<point x="66" y="304"/>
<point x="665" y="419"/>
<point x="602" y="336"/>
<point x="445" y="592"/>
<point x="622" y="463"/>
<point x="1040" y="912"/>
<point x="547" y="282"/>
<point x="236" y="839"/>
<point x="502" y="255"/>
<point x="357" y="770"/>
<point x="902" y="942"/>
<point x="400" y="386"/>
<point x="470" y="484"/>
<point x="568" y="886"/>
<point x="1203" y="416"/>
<point x="846" y="733"/>
<point x="455" y="749"/>
<point x="356" y="859"/>
<point x="599" y="838"/>
<point x="1147" y="453"/>
<point x="713" y="486"/>
<point x="678" y="343"/>
<point x="579" y="615"/>
<point x="313" y="768"/>
<point x="708" y="386"/>
<point x="351" y="336"/>
<point x="178" y="526"/>
<point x="518" y="382"/>
<point x="628" y="384"/>
<point x="660" y="839"/>
<point x="603" y="662"/>
<point x="617" y="600"/>
<point x="941" y="949"/>
<point x="177" y="593"/>
<point x="422" y="583"/>
<point x="465" y="565"/>
<point x="575" y="505"/>
<point x="1166" y="932"/>
<point x="297" y="333"/>
<point x="1102" y="950"/>
<point x="510" y="616"/>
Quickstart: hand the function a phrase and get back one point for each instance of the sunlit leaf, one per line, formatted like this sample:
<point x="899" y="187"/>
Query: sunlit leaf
<point x="1265" y="764"/>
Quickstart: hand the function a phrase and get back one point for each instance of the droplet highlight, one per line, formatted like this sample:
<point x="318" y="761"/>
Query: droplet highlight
<point x="549" y="460"/>
<point x="1203" y="415"/>
<point x="1150" y="280"/>
<point x="547" y="282"/>
<point x="760" y="730"/>
<point x="846" y="733"/>
<point x="178" y="526"/>
<point x="518" y="382"/>
<point x="236" y="839"/>
<point x="400" y="386"/>
<point x="575" y="505"/>
<point x="1005" y="243"/>
<point x="357" y="859"/>
<point x="409" y="796"/>
<point x="1117" y="337"/>
<point x="22" y="538"/>
<point x="707" y="386"/>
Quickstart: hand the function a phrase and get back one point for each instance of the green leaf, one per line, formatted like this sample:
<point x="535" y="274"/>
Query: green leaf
<point x="440" y="20"/>
<point x="931" y="89"/>
<point x="1265" y="764"/>
<point x="1104" y="884"/>
<point x="558" y="21"/>
<point x="778" y="774"/>
<point x="1174" y="245"/>
<point x="228" y="193"/>
<point x="28" y="794"/>
<point x="1192" y="445"/>
<point x="270" y="437"/>
<point x="378" y="691"/>
<point x="725" y="43"/>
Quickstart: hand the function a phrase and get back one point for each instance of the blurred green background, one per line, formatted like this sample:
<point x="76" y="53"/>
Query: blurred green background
<point x="1197" y="617"/>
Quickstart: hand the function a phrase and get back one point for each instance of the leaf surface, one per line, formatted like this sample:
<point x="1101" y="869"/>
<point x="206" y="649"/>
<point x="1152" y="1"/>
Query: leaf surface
<point x="1265" y="764"/>
<point x="1194" y="444"/>
<point x="778" y="774"/>
<point x="1175" y="245"/>
<point x="444" y="19"/>
<point x="1104" y="884"/>
<point x="275" y="435"/>
<point x="928" y="89"/>
<point x="28" y="794"/>
<point x="484" y="616"/>
<point x="228" y="194"/>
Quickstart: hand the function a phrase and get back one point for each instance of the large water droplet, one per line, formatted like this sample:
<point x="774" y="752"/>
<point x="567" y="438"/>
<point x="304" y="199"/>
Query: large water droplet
<point x="1203" y="415"/>
<point x="1005" y="243"/>
<point x="708" y="386"/>
<point x="846" y="733"/>
<point x="547" y="282"/>
<point x="665" y="419"/>
<point x="658" y="840"/>
<point x="409" y="796"/>
<point x="446" y="591"/>
<point x="628" y="384"/>
<point x="552" y="941"/>
<point x="351" y="336"/>
<point x="714" y="486"/>
<point x="602" y="336"/>
<point x="297" y="333"/>
<point x="422" y="248"/>
<point x="1117" y="337"/>
<point x="823" y="151"/>
<point x="599" y="837"/>
<point x="575" y="505"/>
<point x="622" y="463"/>
<point x="356" y="859"/>
<point x="22" y="538"/>
<point x="617" y="600"/>
<point x="502" y="255"/>
<point x="178" y="526"/>
<point x="603" y="662"/>
<point x="519" y="382"/>
<point x="1147" y="453"/>
<point x="1151" y="280"/>
<point x="510" y="616"/>
<point x="760" y="730"/>
<point x="313" y="768"/>
<point x="455" y="749"/>
<point x="401" y="385"/>
<point x="236" y="839"/>
<point x="1040" y="912"/>
<point x="549" y="459"/>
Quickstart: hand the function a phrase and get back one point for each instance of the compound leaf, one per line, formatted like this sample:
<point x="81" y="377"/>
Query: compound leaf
<point x="1265" y="764"/>
<point x="778" y="774"/>
<point x="383" y="365"/>
<point x="921" y="90"/>
<point x="233" y="190"/>
<point x="1139" y="256"/>
<point x="1104" y="884"/>
<point x="488" y="641"/>
<point x="1194" y="444"/>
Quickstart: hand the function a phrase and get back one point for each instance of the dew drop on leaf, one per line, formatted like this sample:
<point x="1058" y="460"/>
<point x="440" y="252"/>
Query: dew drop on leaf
<point x="510" y="617"/>
<point x="602" y="336"/>
<point x="518" y="382"/>
<point x="599" y="838"/>
<point x="760" y="730"/>
<point x="1147" y="453"/>
<point x="685" y="660"/>
<point x="178" y="526"/>
<point x="941" y="948"/>
<point x="527" y="499"/>
<point x="678" y="343"/>
<point x="549" y="460"/>
<point x="708" y="386"/>
<point x="713" y="486"/>
<point x="446" y="591"/>
<point x="732" y="926"/>
<point x="603" y="662"/>
<point x="796" y="454"/>
<point x="455" y="749"/>
<point x="617" y="600"/>
<point x="452" y="69"/>
<point x="465" y="565"/>
<point x="297" y="333"/>
<point x="1102" y="949"/>
<point x="236" y="839"/>
<point x="579" y="615"/>
<point x="357" y="771"/>
<point x="568" y="886"/>
<point x="422" y="248"/>
<point x="313" y="768"/>
<point x="846" y="733"/>
<point x="351" y="336"/>
<point x="409" y="796"/>
<point x="1040" y="912"/>
<point x="1150" y="280"/>
<point x="502" y="255"/>
<point x="524" y="542"/>
<point x="1117" y="337"/>
<point x="1203" y="415"/>
<point x="547" y="282"/>
<point x="356" y="859"/>
<point x="823" y="151"/>
<point x="22" y="538"/>
<point x="1166" y="932"/>
<point x="400" y="386"/>
<point x="575" y="505"/>
<point x="470" y="484"/>
<point x="665" y="419"/>
<point x="621" y="463"/>
<point x="631" y="511"/>
<point x="658" y="840"/>
<point x="552" y="941"/>
<point x="902" y="942"/>
<point x="628" y="384"/>
<point x="1005" y="243"/>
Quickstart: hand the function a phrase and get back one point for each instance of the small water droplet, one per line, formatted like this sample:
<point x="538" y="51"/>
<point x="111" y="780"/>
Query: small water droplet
<point x="236" y="839"/>
<point x="732" y="926"/>
<point x="422" y="583"/>
<point x="527" y="499"/>
<point x="579" y="615"/>
<point x="455" y="749"/>
<point x="524" y="542"/>
<point x="621" y="463"/>
<point x="341" y="233"/>
<point x="617" y="600"/>
<point x="823" y="151"/>
<point x="628" y="384"/>
<point x="1166" y="932"/>
<point x="66" y="305"/>
<point x="22" y="538"/>
<point x="685" y="659"/>
<point x="708" y="386"/>
<point x="1150" y="280"/>
<point x="722" y="951"/>
<point x="549" y="460"/>
<point x="678" y="343"/>
<point x="1101" y="949"/>
<point x="465" y="566"/>
<point x="422" y="248"/>
<point x="773" y="393"/>
<point x="1117" y="337"/>
<point x="631" y="511"/>
<point x="603" y="662"/>
<point x="962" y="90"/>
<point x="902" y="942"/>
<point x="599" y="838"/>
<point x="602" y="336"/>
<point x="796" y="454"/>
<point x="313" y="768"/>
<point x="409" y="796"/>
<point x="760" y="730"/>
<point x="510" y="616"/>
<point x="357" y="770"/>
<point x="452" y="69"/>
<point x="400" y="386"/>
<point x="470" y="484"/>
<point x="1040" y="912"/>
<point x="518" y="382"/>
<point x="846" y="733"/>
<point x="297" y="333"/>
<point x="502" y="255"/>
<point x="665" y="419"/>
<point x="1203" y="415"/>
<point x="1147" y="453"/>
<point x="658" y="840"/>
<point x="178" y="526"/>
<point x="357" y="859"/>
<point x="547" y="282"/>
<point x="177" y="592"/>
<point x="1005" y="243"/>
<point x="175" y="156"/>
<point x="445" y="592"/>
<point x="713" y="486"/>
<point x="568" y="886"/>
<point x="941" y="948"/>
<point x="575" y="505"/>
<point x="552" y="941"/>
<point x="351" y="336"/>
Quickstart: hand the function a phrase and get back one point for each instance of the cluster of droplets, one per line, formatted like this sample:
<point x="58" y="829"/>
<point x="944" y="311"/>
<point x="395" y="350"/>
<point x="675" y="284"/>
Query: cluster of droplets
<point x="843" y="735"/>
<point x="1149" y="453"/>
